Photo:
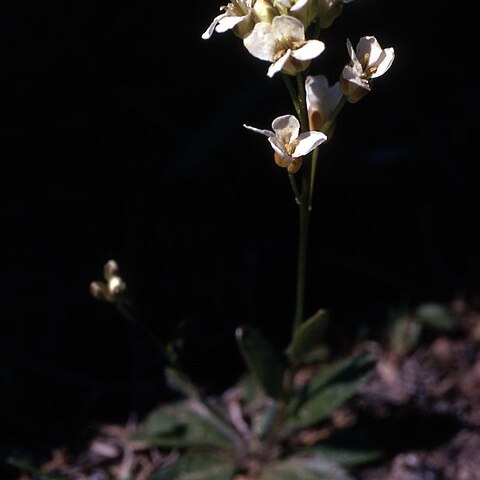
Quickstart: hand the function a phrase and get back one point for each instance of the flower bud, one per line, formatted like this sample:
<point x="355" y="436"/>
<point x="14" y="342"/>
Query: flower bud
<point x="328" y="11"/>
<point x="112" y="288"/>
<point x="99" y="291"/>
<point x="264" y="11"/>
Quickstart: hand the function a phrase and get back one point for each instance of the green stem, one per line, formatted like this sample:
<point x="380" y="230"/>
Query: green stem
<point x="333" y="116"/>
<point x="302" y="100"/>
<point x="129" y="311"/>
<point x="292" y="92"/>
<point x="304" y="218"/>
<point x="304" y="214"/>
<point x="312" y="176"/>
<point x="326" y="127"/>
<point x="296" y="192"/>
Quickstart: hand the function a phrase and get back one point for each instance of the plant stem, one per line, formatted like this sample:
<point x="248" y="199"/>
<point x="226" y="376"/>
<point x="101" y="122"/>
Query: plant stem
<point x="304" y="217"/>
<point x="296" y="192"/>
<point x="292" y="92"/>
<point x="333" y="116"/>
<point x="304" y="213"/>
<point x="130" y="312"/>
<point x="326" y="127"/>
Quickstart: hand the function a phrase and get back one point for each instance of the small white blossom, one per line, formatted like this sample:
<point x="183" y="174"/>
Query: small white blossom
<point x="304" y="10"/>
<point x="288" y="145"/>
<point x="237" y="14"/>
<point x="368" y="61"/>
<point x="240" y="16"/>
<point x="112" y="288"/>
<point x="322" y="100"/>
<point x="283" y="43"/>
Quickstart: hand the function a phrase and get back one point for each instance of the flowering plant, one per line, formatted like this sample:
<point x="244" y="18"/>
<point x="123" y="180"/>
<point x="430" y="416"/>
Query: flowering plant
<point x="254" y="431"/>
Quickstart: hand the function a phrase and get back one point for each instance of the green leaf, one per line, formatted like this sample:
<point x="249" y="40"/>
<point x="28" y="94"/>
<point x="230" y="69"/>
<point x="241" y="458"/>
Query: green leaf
<point x="197" y="467"/>
<point x="435" y="316"/>
<point x="307" y="336"/>
<point x="185" y="424"/>
<point x="405" y="335"/>
<point x="327" y="390"/>
<point x="304" y="467"/>
<point x="262" y="361"/>
<point x="346" y="457"/>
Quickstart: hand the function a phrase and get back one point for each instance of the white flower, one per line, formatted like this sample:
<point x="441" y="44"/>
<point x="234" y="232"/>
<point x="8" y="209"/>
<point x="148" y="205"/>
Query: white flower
<point x="237" y="14"/>
<point x="288" y="145"/>
<point x="329" y="10"/>
<point x="240" y="16"/>
<point x="368" y="61"/>
<point x="283" y="43"/>
<point x="112" y="288"/>
<point x="322" y="100"/>
<point x="304" y="10"/>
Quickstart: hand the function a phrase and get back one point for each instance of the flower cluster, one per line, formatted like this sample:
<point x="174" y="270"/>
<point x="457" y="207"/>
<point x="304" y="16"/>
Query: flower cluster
<point x="113" y="288"/>
<point x="283" y="33"/>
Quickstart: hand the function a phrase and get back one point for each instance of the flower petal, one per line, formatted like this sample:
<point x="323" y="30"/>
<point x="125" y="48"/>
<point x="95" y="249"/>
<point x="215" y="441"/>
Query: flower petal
<point x="312" y="49"/>
<point x="299" y="5"/>
<point x="229" y="22"/>
<point x="307" y="142"/>
<point x="279" y="64"/>
<point x="283" y="156"/>
<point x="267" y="133"/>
<point x="369" y="45"/>
<point x="288" y="27"/>
<point x="322" y="99"/>
<point x="286" y="128"/>
<point x="209" y="31"/>
<point x="351" y="75"/>
<point x="384" y="62"/>
<point x="351" y="51"/>
<point x="261" y="42"/>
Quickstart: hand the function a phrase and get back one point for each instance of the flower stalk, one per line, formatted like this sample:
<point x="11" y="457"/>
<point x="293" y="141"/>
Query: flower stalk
<point x="304" y="214"/>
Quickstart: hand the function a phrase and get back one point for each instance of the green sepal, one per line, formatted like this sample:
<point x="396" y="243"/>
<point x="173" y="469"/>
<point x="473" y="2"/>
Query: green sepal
<point x="262" y="360"/>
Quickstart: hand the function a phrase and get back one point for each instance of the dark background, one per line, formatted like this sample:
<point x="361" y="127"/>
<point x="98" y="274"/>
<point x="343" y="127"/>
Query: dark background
<point x="123" y="139"/>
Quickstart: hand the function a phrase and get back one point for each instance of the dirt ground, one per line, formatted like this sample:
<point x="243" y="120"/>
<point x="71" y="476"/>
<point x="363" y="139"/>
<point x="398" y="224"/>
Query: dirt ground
<point x="422" y="408"/>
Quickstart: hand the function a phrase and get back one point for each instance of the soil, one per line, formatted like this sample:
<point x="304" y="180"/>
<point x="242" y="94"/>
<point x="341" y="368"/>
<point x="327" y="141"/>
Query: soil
<point x="426" y="409"/>
<point x="422" y="408"/>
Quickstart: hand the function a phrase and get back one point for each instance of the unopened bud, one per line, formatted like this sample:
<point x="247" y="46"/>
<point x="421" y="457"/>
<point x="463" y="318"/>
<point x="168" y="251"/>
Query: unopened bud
<point x="112" y="288"/>
<point x="264" y="11"/>
<point x="110" y="269"/>
<point x="328" y="11"/>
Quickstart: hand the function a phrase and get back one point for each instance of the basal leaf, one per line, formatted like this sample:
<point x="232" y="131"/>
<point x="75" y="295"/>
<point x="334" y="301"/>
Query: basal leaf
<point x="197" y="467"/>
<point x="304" y="467"/>
<point x="435" y="316"/>
<point x="307" y="337"/>
<point x="330" y="388"/>
<point x="262" y="360"/>
<point x="185" y="424"/>
<point x="346" y="457"/>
